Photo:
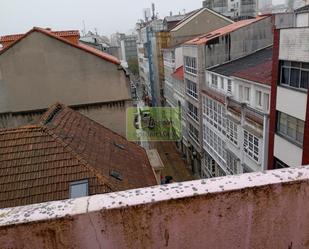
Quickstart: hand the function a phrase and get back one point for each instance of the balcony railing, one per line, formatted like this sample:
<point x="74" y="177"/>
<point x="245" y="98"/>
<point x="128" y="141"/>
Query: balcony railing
<point x="258" y="210"/>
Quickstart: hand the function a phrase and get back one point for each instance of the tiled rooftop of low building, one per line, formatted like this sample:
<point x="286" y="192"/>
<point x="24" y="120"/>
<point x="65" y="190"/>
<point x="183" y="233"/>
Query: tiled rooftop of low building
<point x="255" y="67"/>
<point x="38" y="162"/>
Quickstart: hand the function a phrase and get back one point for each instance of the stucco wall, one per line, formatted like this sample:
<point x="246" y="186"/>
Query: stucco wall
<point x="205" y="22"/>
<point x="111" y="115"/>
<point x="260" y="210"/>
<point x="239" y="43"/>
<point x="40" y="70"/>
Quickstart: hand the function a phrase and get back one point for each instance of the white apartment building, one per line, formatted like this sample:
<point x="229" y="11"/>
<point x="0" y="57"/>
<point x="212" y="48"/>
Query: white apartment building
<point x="236" y="100"/>
<point x="214" y="48"/>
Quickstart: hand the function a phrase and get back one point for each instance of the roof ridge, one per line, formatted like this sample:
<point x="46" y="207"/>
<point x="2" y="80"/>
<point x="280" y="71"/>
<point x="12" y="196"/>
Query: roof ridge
<point x="18" y="129"/>
<point x="84" y="162"/>
<point x="83" y="47"/>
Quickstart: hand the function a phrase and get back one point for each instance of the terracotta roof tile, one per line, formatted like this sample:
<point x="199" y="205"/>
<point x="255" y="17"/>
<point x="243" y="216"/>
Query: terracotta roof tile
<point x="37" y="163"/>
<point x="203" y="39"/>
<point x="261" y="73"/>
<point x="179" y="74"/>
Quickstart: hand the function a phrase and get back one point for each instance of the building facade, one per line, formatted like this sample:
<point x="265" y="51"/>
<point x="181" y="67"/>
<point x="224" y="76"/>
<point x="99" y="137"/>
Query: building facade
<point x="236" y="99"/>
<point x="55" y="69"/>
<point x="174" y="61"/>
<point x="235" y="9"/>
<point x="289" y="124"/>
<point x="215" y="48"/>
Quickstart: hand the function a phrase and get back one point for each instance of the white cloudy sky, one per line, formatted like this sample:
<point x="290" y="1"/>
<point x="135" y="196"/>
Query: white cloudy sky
<point x="108" y="16"/>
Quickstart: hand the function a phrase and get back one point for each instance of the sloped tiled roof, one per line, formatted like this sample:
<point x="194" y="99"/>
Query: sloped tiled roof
<point x="56" y="34"/>
<point x="255" y="67"/>
<point x="179" y="73"/>
<point x="203" y="39"/>
<point x="62" y="34"/>
<point x="38" y="162"/>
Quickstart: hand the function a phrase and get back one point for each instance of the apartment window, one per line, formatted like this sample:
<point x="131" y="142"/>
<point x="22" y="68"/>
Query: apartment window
<point x="215" y="143"/>
<point x="78" y="189"/>
<point x="192" y="111"/>
<point x="240" y="93"/>
<point x="190" y="65"/>
<point x="232" y="163"/>
<point x="222" y="83"/>
<point x="279" y="164"/>
<point x="214" y="112"/>
<point x="214" y="81"/>
<point x="258" y="97"/>
<point x="193" y="132"/>
<point x="232" y="132"/>
<point x="251" y="145"/>
<point x="294" y="74"/>
<point x="291" y="128"/>
<point x="192" y="89"/>
<point x="266" y="101"/>
<point x="247" y="94"/>
<point x="229" y="86"/>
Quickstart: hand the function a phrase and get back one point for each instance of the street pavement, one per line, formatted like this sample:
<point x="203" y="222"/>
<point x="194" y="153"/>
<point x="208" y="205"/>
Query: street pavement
<point x="174" y="165"/>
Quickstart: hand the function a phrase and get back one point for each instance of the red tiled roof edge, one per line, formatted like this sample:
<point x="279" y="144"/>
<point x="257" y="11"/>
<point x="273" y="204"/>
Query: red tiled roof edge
<point x="179" y="73"/>
<point x="219" y="32"/>
<point x="260" y="73"/>
<point x="85" y="48"/>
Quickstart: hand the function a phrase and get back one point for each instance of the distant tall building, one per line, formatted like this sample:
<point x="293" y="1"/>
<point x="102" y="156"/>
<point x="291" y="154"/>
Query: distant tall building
<point x="234" y="9"/>
<point x="128" y="47"/>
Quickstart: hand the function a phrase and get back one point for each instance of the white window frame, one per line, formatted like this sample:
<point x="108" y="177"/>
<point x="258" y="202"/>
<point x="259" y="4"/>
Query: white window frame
<point x="214" y="113"/>
<point x="252" y="146"/>
<point x="84" y="183"/>
<point x="192" y="89"/>
<point x="232" y="131"/>
<point x="193" y="112"/>
<point x="190" y="65"/>
<point x="259" y="99"/>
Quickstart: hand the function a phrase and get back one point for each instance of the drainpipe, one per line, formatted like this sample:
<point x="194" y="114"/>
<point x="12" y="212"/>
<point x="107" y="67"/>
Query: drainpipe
<point x="265" y="141"/>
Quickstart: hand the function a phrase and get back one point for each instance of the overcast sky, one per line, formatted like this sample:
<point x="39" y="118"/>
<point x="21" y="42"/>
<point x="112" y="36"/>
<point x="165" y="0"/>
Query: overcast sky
<point x="108" y="16"/>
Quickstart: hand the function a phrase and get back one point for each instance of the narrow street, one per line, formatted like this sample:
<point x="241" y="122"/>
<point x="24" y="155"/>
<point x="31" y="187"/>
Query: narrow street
<point x="174" y="165"/>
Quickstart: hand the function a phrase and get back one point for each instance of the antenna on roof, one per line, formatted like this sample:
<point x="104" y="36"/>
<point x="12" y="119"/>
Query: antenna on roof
<point x="84" y="28"/>
<point x="153" y="11"/>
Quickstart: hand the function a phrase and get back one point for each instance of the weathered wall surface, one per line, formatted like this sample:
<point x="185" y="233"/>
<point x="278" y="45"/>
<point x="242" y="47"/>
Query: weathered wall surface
<point x="40" y="70"/>
<point x="205" y="22"/>
<point x="239" y="43"/>
<point x="111" y="115"/>
<point x="259" y="210"/>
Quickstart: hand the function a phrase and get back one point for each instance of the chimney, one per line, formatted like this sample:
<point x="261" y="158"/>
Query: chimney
<point x="49" y="29"/>
<point x="171" y="13"/>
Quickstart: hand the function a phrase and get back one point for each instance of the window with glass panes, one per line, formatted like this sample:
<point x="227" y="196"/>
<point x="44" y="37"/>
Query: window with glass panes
<point x="214" y="81"/>
<point x="190" y="65"/>
<point x="214" y="112"/>
<point x="251" y="145"/>
<point x="229" y="86"/>
<point x="232" y="131"/>
<point x="215" y="143"/>
<point x="192" y="89"/>
<point x="193" y="111"/>
<point x="232" y="163"/>
<point x="193" y="133"/>
<point x="291" y="128"/>
<point x="294" y="74"/>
